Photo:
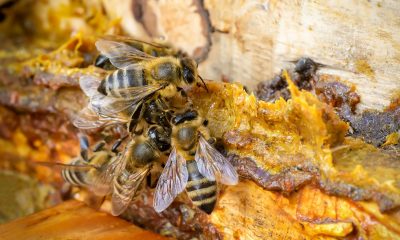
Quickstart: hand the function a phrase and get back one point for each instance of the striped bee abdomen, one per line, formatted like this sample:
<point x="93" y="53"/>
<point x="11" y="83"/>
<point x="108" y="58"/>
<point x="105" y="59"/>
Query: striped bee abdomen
<point x="75" y="177"/>
<point x="201" y="191"/>
<point x="121" y="79"/>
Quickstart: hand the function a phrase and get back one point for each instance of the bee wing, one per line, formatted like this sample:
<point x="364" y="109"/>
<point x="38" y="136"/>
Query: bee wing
<point x="102" y="184"/>
<point x="73" y="167"/>
<point x="172" y="181"/>
<point x="89" y="85"/>
<point x="212" y="164"/>
<point x="99" y="189"/>
<point x="109" y="106"/>
<point x="125" y="192"/>
<point x="120" y="53"/>
<point x="88" y="119"/>
<point x="133" y="41"/>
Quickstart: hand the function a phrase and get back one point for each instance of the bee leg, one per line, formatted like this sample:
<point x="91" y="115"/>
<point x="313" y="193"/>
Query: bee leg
<point x="186" y="116"/>
<point x="148" y="181"/>
<point x="218" y="144"/>
<point x="99" y="146"/>
<point x="136" y="116"/>
<point x="117" y="143"/>
<point x="84" y="145"/>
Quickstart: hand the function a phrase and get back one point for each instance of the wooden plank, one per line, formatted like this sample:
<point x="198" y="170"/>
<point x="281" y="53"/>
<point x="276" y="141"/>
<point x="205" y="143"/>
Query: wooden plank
<point x="73" y="220"/>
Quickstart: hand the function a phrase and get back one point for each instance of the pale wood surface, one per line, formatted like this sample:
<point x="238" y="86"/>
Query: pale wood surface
<point x="359" y="38"/>
<point x="253" y="40"/>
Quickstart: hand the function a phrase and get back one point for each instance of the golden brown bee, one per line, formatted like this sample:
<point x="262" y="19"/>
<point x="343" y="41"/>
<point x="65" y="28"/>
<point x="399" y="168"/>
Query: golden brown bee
<point x="193" y="165"/>
<point x="104" y="172"/>
<point x="136" y="67"/>
<point x="139" y="78"/>
<point x="87" y="169"/>
<point x="140" y="93"/>
<point x="129" y="172"/>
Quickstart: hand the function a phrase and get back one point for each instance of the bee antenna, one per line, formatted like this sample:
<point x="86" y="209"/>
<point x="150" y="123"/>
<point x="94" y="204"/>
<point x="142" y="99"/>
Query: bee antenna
<point x="205" y="86"/>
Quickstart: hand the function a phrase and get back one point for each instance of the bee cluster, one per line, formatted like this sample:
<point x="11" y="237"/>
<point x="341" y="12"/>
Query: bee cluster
<point x="145" y="93"/>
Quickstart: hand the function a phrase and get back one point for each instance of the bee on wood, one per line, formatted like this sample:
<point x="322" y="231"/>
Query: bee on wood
<point x="139" y="93"/>
<point x="139" y="78"/>
<point x="193" y="165"/>
<point x="86" y="170"/>
<point x="129" y="171"/>
<point x="110" y="172"/>
<point x="137" y="68"/>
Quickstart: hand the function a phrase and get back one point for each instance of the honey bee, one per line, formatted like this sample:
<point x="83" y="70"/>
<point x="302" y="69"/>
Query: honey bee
<point x="103" y="110"/>
<point x="86" y="170"/>
<point x="119" y="174"/>
<point x="140" y="63"/>
<point x="193" y="165"/>
<point x="139" y="94"/>
<point x="139" y="77"/>
<point x="129" y="172"/>
<point x="148" y="143"/>
<point x="126" y="174"/>
<point x="192" y="160"/>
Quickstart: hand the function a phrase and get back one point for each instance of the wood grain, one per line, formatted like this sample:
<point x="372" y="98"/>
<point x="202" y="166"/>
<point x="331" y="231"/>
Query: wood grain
<point x="360" y="40"/>
<point x="251" y="41"/>
<point x="73" y="220"/>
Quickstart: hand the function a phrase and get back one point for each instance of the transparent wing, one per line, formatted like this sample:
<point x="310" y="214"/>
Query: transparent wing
<point x="88" y="119"/>
<point x="109" y="106"/>
<point x="120" y="53"/>
<point x="172" y="181"/>
<point x="135" y="93"/>
<point x="125" y="188"/>
<point x="99" y="188"/>
<point x="103" y="181"/>
<point x="73" y="167"/>
<point x="89" y="85"/>
<point x="213" y="165"/>
<point x="133" y="41"/>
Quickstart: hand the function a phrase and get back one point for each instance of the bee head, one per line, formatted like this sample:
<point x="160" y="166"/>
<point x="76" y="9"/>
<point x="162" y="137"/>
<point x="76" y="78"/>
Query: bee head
<point x="189" y="70"/>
